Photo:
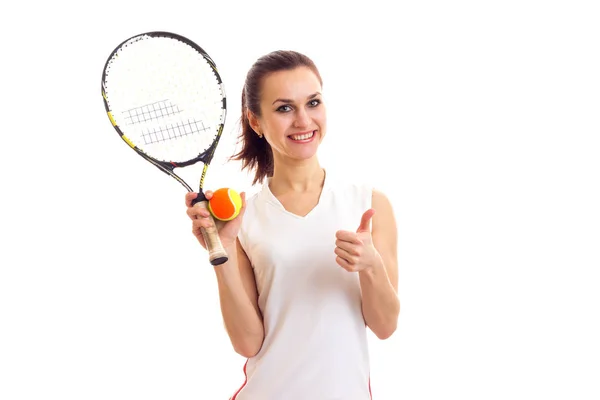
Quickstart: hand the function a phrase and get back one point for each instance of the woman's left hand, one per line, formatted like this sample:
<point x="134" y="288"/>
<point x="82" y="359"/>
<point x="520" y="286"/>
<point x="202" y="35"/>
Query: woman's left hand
<point x="355" y="250"/>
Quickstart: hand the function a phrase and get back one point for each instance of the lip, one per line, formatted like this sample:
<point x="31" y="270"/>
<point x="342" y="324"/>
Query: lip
<point x="310" y="139"/>
<point x="303" y="133"/>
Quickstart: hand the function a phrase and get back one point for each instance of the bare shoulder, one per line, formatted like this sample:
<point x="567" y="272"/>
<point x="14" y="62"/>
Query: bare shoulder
<point x="384" y="220"/>
<point x="382" y="205"/>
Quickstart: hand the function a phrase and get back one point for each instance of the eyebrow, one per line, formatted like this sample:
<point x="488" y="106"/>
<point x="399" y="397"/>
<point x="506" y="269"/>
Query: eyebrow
<point x="312" y="96"/>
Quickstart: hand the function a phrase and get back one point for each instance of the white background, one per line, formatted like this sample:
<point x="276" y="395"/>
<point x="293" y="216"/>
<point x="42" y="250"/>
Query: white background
<point x="480" y="120"/>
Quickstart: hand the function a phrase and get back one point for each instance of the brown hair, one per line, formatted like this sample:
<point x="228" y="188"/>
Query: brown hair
<point x="256" y="154"/>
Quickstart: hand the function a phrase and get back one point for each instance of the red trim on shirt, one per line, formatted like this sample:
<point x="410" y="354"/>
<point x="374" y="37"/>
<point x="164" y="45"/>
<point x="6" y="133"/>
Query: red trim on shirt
<point x="246" y="381"/>
<point x="244" y="384"/>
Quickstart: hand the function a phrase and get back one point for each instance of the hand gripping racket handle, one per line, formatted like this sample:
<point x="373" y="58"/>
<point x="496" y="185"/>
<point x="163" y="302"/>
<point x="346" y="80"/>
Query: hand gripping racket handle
<point x="216" y="253"/>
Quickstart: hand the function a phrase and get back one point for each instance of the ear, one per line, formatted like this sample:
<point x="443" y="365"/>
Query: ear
<point x="253" y="121"/>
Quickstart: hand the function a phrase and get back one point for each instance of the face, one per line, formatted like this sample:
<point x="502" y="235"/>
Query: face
<point x="293" y="118"/>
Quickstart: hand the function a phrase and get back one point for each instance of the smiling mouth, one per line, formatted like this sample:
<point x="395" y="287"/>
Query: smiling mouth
<point x="302" y="136"/>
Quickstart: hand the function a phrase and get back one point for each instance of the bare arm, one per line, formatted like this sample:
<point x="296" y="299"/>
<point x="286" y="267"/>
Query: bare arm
<point x="379" y="284"/>
<point x="235" y="278"/>
<point x="239" y="303"/>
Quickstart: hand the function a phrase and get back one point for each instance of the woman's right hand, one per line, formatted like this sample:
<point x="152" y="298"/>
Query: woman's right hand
<point x="201" y="218"/>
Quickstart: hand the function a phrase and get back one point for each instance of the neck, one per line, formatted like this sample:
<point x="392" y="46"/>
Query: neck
<point x="297" y="177"/>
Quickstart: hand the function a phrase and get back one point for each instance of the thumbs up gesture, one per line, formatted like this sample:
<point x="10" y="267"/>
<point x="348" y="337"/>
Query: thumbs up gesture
<point x="355" y="250"/>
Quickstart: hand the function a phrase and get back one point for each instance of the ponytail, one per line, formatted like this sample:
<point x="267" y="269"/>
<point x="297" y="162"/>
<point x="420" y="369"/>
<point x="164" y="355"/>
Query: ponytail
<point x="256" y="153"/>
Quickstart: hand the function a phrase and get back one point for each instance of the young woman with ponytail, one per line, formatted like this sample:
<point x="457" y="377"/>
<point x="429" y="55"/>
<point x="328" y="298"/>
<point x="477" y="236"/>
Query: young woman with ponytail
<point x="313" y="257"/>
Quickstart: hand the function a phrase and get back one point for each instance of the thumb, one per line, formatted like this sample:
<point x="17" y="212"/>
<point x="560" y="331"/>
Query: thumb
<point x="365" y="221"/>
<point x="243" y="196"/>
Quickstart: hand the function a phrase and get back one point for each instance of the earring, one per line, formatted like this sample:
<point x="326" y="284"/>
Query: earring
<point x="260" y="135"/>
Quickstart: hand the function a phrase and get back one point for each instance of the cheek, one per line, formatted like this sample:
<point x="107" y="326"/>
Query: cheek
<point x="279" y="125"/>
<point x="275" y="127"/>
<point x="321" y="116"/>
<point x="322" y="121"/>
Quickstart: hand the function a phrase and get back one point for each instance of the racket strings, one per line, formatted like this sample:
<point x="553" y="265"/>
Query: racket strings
<point x="171" y="132"/>
<point x="149" y="112"/>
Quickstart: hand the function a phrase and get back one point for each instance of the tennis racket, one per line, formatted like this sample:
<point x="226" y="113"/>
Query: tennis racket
<point x="165" y="98"/>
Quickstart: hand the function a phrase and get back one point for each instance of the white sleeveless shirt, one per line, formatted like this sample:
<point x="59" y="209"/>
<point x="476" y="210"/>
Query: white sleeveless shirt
<point x="315" y="345"/>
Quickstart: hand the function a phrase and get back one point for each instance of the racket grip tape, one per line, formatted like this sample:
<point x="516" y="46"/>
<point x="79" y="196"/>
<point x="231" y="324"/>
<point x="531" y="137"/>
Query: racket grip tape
<point x="216" y="252"/>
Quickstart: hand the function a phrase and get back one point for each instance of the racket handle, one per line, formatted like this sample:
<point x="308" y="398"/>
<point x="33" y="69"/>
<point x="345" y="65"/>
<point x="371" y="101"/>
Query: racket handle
<point x="216" y="253"/>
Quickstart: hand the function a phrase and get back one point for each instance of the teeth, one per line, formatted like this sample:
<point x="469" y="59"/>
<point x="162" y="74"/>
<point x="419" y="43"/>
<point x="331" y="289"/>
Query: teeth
<point x="303" y="137"/>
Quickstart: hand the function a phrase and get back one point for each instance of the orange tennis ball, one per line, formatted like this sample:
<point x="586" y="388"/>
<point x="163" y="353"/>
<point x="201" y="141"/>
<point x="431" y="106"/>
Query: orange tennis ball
<point x="225" y="204"/>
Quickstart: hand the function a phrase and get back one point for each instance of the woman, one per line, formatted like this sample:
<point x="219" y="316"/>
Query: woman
<point x="307" y="272"/>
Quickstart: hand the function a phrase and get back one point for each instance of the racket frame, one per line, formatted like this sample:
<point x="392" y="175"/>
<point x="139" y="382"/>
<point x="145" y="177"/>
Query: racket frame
<point x="217" y="253"/>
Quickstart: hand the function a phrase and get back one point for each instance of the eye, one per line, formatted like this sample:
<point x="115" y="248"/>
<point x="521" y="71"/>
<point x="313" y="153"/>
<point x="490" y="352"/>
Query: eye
<point x="314" y="102"/>
<point x="284" y="108"/>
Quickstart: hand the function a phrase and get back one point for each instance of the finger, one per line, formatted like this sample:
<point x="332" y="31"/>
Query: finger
<point x="199" y="236"/>
<point x="189" y="197"/>
<point x="365" y="221"/>
<point x="349" y="258"/>
<point x="347" y="236"/>
<point x="197" y="212"/>
<point x="208" y="194"/>
<point x="243" y="196"/>
<point x="350" y="248"/>
<point x="344" y="264"/>
<point x="202" y="223"/>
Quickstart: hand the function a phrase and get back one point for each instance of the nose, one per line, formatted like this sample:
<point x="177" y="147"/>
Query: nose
<point x="302" y="118"/>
